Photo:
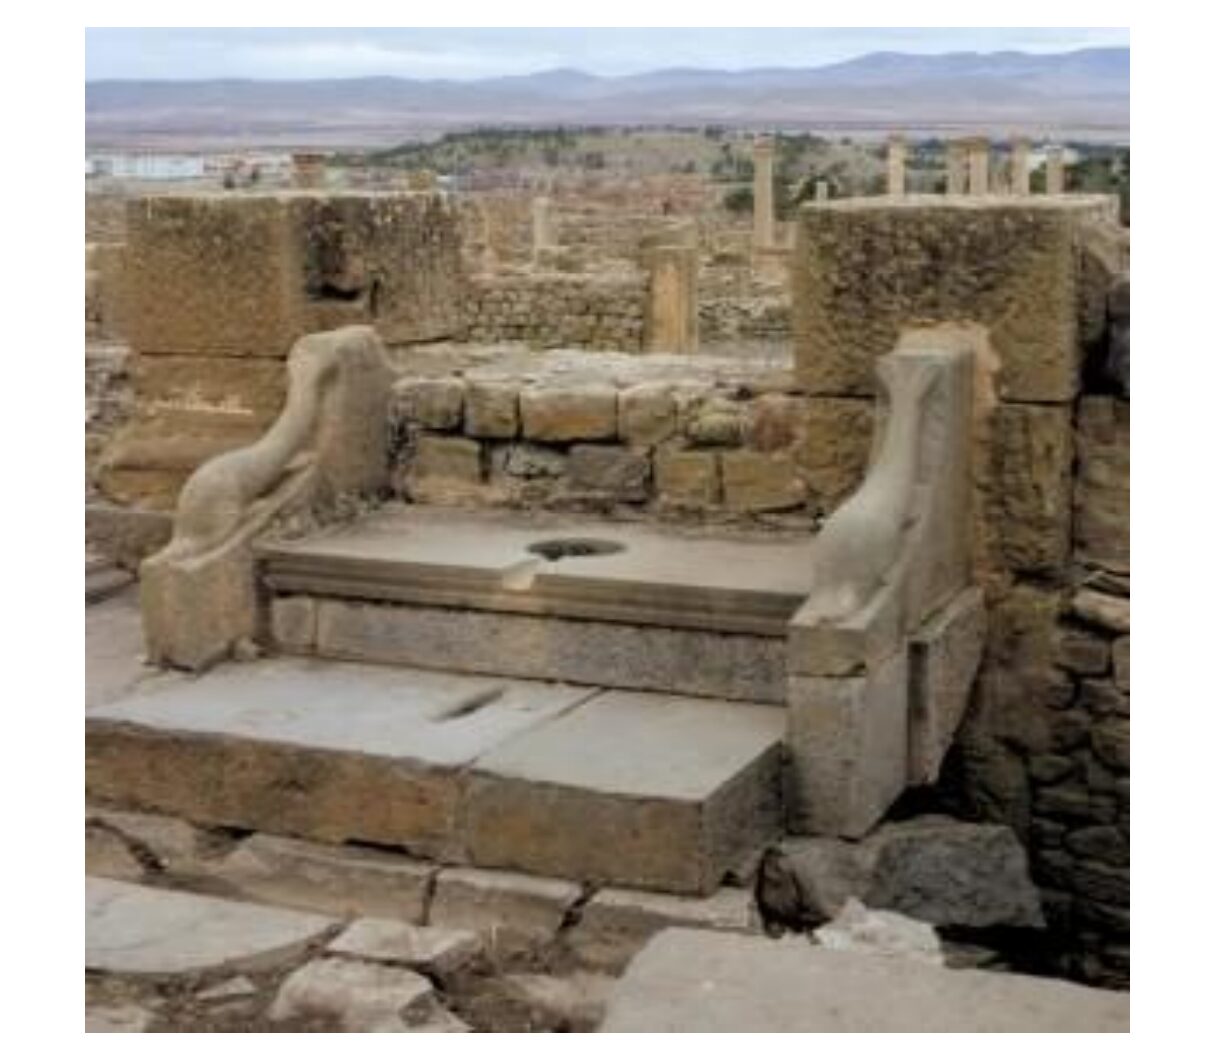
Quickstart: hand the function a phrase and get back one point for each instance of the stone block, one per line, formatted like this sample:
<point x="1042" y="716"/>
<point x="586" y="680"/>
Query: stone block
<point x="1025" y="487"/>
<point x="431" y="402"/>
<point x="616" y="923"/>
<point x="1099" y="609"/>
<point x="774" y="422"/>
<point x="161" y="933"/>
<point x="529" y="461"/>
<point x="449" y="458"/>
<point x="491" y="409"/>
<point x="616" y="472"/>
<point x="1111" y="743"/>
<point x="1102" y="484"/>
<point x="647" y="414"/>
<point x="1083" y="653"/>
<point x="760" y="482"/>
<point x="107" y="855"/>
<point x="432" y="950"/>
<point x="865" y="268"/>
<point x="687" y="478"/>
<point x="513" y="912"/>
<point x="944" y="657"/>
<point x="558" y="414"/>
<point x="715" y="422"/>
<point x="687" y="787"/>
<point x="1121" y="663"/>
<point x="335" y="880"/>
<point x="847" y="742"/>
<point x="833" y="450"/>
<point x="293" y="623"/>
<point x="357" y="996"/>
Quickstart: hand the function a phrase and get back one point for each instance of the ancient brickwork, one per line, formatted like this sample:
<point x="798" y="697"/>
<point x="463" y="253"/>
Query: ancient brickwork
<point x="557" y="310"/>
<point x="707" y="439"/>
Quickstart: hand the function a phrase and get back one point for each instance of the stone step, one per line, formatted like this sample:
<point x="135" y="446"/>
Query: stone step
<point x="608" y="604"/>
<point x="651" y="791"/>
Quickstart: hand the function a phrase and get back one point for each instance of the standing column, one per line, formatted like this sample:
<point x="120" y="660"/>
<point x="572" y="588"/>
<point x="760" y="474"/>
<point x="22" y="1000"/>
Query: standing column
<point x="895" y="167"/>
<point x="1020" y="166"/>
<point x="672" y="314"/>
<point x="764" y="232"/>
<point x="978" y="153"/>
<point x="1055" y="171"/>
<point x="956" y="166"/>
<point x="821" y="190"/>
<point x="543" y="234"/>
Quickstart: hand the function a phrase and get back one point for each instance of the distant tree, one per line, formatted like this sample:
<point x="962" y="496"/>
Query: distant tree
<point x="740" y="200"/>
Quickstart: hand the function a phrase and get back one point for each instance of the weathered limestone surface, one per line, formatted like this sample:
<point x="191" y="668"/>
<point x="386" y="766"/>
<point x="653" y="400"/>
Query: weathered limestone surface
<point x="866" y="268"/>
<point x="133" y="929"/>
<point x="358" y="996"/>
<point x="562" y="414"/>
<point x="868" y="931"/>
<point x="671" y="808"/>
<point x="429" y="949"/>
<point x="1102" y="485"/>
<point x="699" y="981"/>
<point x="672" y="315"/>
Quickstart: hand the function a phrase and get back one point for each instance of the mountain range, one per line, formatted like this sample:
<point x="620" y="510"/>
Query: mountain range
<point x="1079" y="93"/>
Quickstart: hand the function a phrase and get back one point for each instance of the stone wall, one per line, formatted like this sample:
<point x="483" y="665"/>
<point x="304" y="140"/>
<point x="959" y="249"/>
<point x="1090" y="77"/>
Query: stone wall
<point x="763" y="319"/>
<point x="713" y="440"/>
<point x="216" y="289"/>
<point x="557" y="310"/>
<point x="1045" y="747"/>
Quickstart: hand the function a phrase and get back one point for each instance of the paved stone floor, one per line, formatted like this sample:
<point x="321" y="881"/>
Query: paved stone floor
<point x="113" y="648"/>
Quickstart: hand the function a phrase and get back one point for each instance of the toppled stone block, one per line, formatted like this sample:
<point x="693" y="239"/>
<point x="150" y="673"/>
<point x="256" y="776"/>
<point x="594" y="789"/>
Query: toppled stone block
<point x="337" y="880"/>
<point x="936" y="869"/>
<point x="491" y="409"/>
<point x="618" y="473"/>
<point x="859" y="929"/>
<point x="757" y="482"/>
<point x="687" y="478"/>
<point x="432" y="402"/>
<point x="647" y="414"/>
<point x="431" y="950"/>
<point x="555" y="414"/>
<point x="514" y="912"/>
<point x="358" y="996"/>
<point x="615" y="924"/>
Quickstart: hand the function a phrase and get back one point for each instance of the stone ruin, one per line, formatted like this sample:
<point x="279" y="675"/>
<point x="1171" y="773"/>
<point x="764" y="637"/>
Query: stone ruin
<point x="629" y="618"/>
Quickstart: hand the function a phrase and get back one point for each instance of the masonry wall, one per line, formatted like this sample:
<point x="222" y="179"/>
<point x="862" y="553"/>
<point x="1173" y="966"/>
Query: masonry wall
<point x="558" y="311"/>
<point x="1045" y="747"/>
<point x="217" y="288"/>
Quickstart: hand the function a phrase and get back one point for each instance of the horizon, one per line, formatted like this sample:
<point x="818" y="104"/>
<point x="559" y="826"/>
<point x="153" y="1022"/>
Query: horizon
<point x="237" y="54"/>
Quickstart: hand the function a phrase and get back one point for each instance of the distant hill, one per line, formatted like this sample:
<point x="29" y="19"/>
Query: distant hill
<point x="1078" y="93"/>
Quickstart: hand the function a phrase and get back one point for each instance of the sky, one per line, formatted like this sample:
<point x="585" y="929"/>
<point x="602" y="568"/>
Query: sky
<point x="463" y="54"/>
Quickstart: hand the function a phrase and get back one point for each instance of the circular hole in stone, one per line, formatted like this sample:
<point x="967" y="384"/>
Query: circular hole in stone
<point x="564" y="548"/>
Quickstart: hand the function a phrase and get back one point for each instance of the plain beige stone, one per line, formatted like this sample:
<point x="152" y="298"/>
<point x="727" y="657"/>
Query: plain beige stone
<point x="944" y="658"/>
<point x="448" y="458"/>
<point x="432" y="402"/>
<point x="512" y="911"/>
<point x="847" y="742"/>
<point x="491" y="409"/>
<point x="754" y="482"/>
<point x="687" y="478"/>
<point x="647" y="414"/>
<point x="554" y="414"/>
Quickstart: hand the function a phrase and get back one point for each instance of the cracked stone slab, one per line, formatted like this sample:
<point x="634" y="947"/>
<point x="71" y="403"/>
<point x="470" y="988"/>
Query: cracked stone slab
<point x="326" y="750"/>
<point x="150" y="932"/>
<point x="429" y="949"/>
